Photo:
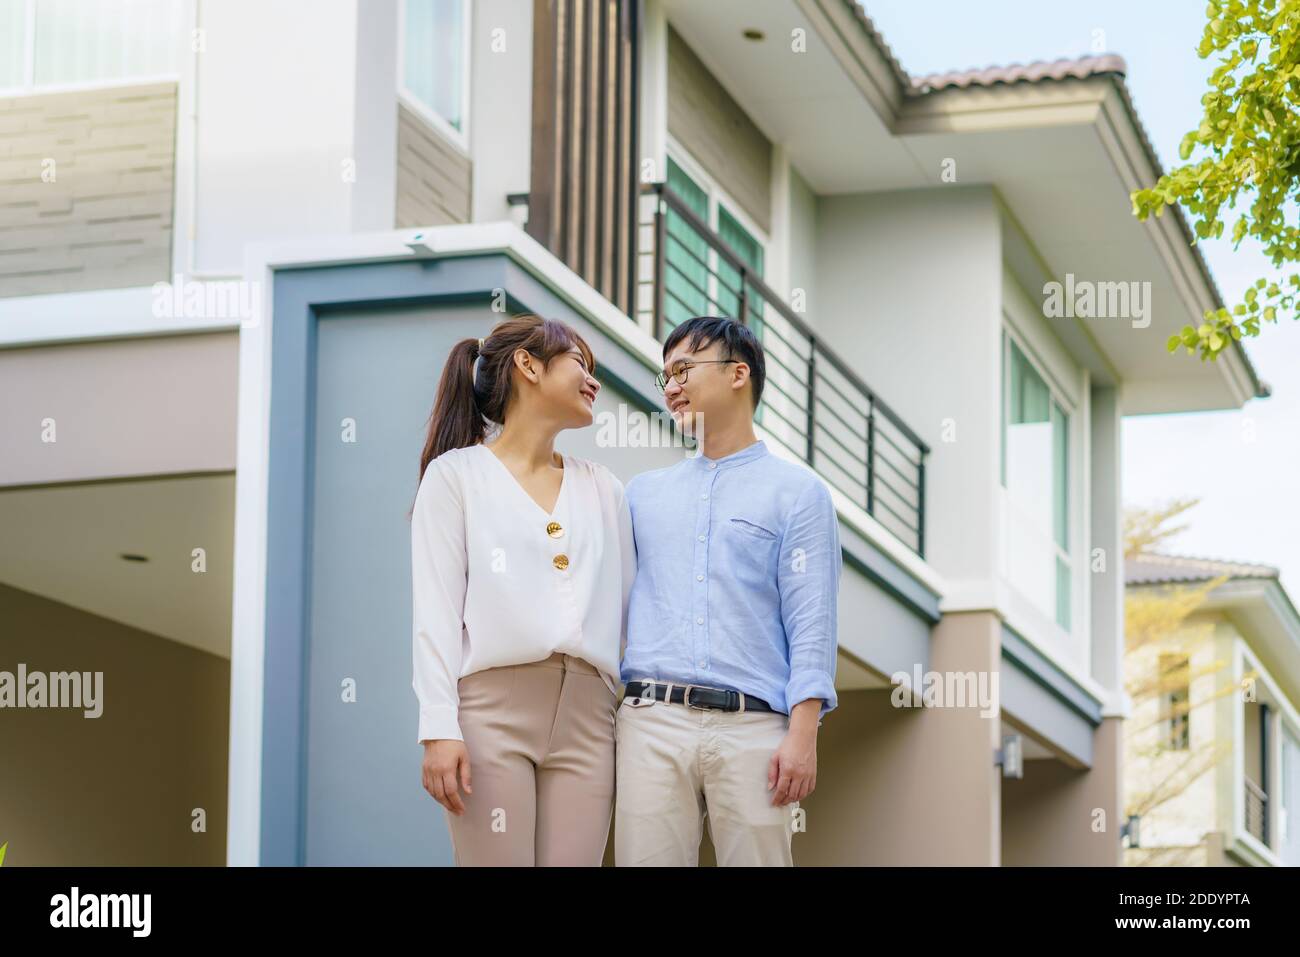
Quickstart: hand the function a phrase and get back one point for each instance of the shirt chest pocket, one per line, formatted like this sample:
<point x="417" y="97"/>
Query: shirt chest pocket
<point x="753" y="527"/>
<point x="752" y="547"/>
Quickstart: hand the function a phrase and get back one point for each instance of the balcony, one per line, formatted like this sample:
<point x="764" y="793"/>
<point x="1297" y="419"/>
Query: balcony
<point x="813" y="403"/>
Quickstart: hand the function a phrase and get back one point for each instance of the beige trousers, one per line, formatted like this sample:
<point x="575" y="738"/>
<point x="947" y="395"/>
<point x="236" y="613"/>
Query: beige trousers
<point x="678" y="766"/>
<point x="540" y="738"/>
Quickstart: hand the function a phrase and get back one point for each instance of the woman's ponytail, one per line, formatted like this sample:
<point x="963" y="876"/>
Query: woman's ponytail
<point x="456" y="421"/>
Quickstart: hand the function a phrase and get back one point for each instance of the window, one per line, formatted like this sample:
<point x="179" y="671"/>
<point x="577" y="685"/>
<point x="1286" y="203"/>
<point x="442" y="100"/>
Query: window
<point x="1035" y="472"/>
<point x="698" y="280"/>
<point x="687" y="255"/>
<point x="1175" y="701"/>
<point x="52" y="43"/>
<point x="434" y="62"/>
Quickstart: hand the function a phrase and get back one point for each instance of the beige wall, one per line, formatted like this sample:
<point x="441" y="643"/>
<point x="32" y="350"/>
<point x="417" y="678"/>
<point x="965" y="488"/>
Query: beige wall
<point x="104" y="221"/>
<point x="1061" y="816"/>
<point x="119" y="789"/>
<point x="909" y="786"/>
<point x="704" y="118"/>
<point x="433" y="177"/>
<point x="152" y="405"/>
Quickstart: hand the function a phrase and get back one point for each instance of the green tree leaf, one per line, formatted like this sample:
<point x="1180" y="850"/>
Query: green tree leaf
<point x="1249" y="131"/>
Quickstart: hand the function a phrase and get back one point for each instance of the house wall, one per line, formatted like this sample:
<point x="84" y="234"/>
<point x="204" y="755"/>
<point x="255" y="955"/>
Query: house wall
<point x="88" y="191"/>
<point x="120" y="789"/>
<point x="1193" y="792"/>
<point x="704" y="118"/>
<point x="1057" y="815"/>
<point x="433" y="175"/>
<point x="801" y="273"/>
<point x="501" y="104"/>
<point x="910" y="786"/>
<point x="908" y="291"/>
<point x="278" y="125"/>
<point x="144" y="406"/>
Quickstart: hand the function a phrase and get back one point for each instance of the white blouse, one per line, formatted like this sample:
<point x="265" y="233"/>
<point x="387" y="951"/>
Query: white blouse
<point x="496" y="580"/>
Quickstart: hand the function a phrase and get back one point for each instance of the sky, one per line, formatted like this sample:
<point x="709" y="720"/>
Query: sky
<point x="1243" y="465"/>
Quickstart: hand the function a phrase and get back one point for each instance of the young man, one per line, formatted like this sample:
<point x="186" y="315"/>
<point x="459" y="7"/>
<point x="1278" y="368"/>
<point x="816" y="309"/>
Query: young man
<point x="731" y="642"/>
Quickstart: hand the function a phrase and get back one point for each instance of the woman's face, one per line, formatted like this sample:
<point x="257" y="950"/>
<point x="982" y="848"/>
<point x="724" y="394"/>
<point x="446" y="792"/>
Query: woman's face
<point x="569" y="390"/>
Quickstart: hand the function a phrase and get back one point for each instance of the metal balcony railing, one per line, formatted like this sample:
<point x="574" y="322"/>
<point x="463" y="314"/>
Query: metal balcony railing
<point x="1256" y="811"/>
<point x="813" y="402"/>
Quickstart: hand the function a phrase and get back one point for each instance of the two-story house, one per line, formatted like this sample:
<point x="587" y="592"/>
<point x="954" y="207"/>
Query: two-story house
<point x="1215" y="747"/>
<point x="332" y="207"/>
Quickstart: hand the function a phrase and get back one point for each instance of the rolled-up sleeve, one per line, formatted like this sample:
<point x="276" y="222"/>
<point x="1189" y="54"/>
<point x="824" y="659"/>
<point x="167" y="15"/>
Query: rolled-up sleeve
<point x="438" y="582"/>
<point x="809" y="581"/>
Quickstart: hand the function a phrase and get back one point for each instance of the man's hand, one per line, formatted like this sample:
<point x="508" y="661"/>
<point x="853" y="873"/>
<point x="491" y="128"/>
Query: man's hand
<point x="793" y="768"/>
<point x="445" y="760"/>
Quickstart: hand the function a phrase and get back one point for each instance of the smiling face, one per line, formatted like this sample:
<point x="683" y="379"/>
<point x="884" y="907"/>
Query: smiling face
<point x="714" y="390"/>
<point x="568" y="389"/>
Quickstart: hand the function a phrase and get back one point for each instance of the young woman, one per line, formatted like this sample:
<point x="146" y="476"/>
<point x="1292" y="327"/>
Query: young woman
<point x="522" y="561"/>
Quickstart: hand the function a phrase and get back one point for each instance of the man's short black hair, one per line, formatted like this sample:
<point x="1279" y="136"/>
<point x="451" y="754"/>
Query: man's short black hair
<point x="738" y="342"/>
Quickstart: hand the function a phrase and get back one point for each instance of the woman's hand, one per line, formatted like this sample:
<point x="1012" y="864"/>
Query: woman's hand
<point x="446" y="763"/>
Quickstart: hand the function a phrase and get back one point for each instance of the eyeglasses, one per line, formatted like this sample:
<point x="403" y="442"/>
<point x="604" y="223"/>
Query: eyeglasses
<point x="682" y="369"/>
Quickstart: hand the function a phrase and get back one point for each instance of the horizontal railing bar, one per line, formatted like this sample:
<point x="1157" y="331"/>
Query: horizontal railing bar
<point x="903" y="501"/>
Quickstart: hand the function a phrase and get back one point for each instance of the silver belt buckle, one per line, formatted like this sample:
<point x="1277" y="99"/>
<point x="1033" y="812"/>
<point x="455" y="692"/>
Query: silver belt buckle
<point x="686" y="699"/>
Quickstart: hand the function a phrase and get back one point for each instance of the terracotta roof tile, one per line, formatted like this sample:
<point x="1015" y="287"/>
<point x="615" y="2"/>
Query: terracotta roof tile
<point x="1155" y="569"/>
<point x="1079" y="68"/>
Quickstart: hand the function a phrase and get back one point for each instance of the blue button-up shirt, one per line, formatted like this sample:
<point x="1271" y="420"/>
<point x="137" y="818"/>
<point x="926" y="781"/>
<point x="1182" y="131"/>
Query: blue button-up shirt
<point x="738" y="570"/>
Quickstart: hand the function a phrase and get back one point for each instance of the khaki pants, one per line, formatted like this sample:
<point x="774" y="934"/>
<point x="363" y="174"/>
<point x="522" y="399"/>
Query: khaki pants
<point x="540" y="738"/>
<point x="679" y="765"/>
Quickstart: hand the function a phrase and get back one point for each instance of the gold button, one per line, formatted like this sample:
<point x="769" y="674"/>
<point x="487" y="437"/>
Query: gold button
<point x="555" y="530"/>
<point x="561" y="562"/>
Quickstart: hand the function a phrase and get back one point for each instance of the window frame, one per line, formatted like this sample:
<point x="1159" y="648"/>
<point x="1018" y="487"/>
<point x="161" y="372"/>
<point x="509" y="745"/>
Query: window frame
<point x="716" y="196"/>
<point x="460" y="138"/>
<point x="1056" y="397"/>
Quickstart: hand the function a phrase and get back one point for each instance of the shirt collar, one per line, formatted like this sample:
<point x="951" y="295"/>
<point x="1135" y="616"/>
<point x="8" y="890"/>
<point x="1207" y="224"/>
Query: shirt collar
<point x="747" y="454"/>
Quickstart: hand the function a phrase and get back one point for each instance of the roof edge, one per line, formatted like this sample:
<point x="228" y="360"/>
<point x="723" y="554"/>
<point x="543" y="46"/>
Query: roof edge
<point x="1106" y="66"/>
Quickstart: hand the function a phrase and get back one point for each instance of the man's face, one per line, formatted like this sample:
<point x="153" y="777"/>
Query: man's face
<point x="710" y="389"/>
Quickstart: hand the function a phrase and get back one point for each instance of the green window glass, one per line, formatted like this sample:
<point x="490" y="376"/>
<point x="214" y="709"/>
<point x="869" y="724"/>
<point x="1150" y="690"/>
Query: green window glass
<point x="750" y="252"/>
<point x="686" y="254"/>
<point x="1035" y="470"/>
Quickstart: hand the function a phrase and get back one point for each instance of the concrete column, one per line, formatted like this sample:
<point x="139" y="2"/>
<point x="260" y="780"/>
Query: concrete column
<point x="910" y="786"/>
<point x="1058" y="815"/>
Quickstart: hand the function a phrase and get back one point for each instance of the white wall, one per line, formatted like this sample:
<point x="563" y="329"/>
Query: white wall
<point x="802" y="271"/>
<point x="277" y="119"/>
<point x="908" y="294"/>
<point x="501" y="105"/>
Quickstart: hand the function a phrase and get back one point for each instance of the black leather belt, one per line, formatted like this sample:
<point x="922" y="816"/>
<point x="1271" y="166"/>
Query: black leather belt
<point x="700" y="697"/>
